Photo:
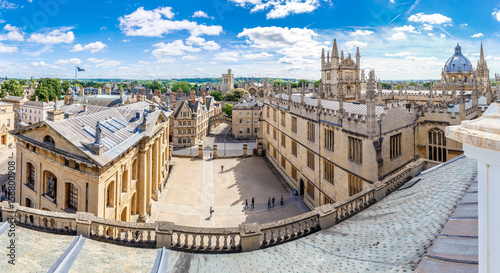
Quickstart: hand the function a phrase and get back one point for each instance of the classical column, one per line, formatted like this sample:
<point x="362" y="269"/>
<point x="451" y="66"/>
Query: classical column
<point x="142" y="185"/>
<point x="156" y="160"/>
<point x="481" y="141"/>
<point x="149" y="179"/>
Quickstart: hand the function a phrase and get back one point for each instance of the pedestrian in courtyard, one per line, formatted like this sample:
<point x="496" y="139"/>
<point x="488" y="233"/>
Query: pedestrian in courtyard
<point x="253" y="202"/>
<point x="273" y="201"/>
<point x="222" y="168"/>
<point x="210" y="155"/>
<point x="281" y="202"/>
<point x="269" y="203"/>
<point x="211" y="211"/>
<point x="246" y="204"/>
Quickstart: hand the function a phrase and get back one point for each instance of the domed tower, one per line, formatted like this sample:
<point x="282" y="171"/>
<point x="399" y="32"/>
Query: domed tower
<point x="458" y="68"/>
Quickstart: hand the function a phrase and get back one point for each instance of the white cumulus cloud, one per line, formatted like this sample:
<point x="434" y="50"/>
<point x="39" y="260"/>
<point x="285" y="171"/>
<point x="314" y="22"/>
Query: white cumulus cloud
<point x="7" y="49"/>
<point x="280" y="8"/>
<point x="397" y="36"/>
<point x="175" y="48"/>
<point x="433" y="19"/>
<point x="57" y="36"/>
<point x="109" y="64"/>
<point x="405" y="28"/>
<point x="201" y="14"/>
<point x="74" y="61"/>
<point x="13" y="34"/>
<point x="200" y="42"/>
<point x="258" y="56"/>
<point x="92" y="47"/>
<point x="361" y="32"/>
<point x="157" y="23"/>
<point x="399" y="54"/>
<point x="94" y="60"/>
<point x="477" y="35"/>
<point x="354" y="44"/>
<point x="227" y="56"/>
<point x="496" y="14"/>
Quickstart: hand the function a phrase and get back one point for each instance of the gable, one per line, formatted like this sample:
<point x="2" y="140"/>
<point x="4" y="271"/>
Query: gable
<point x="39" y="133"/>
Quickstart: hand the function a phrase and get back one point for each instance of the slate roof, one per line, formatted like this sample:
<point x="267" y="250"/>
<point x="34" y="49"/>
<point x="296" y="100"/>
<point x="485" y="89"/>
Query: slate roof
<point x="119" y="129"/>
<point x="349" y="107"/>
<point x="101" y="100"/>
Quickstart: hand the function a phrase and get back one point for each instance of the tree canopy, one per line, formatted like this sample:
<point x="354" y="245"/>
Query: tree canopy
<point x="156" y="85"/>
<point x="228" y="109"/>
<point x="12" y="87"/>
<point x="65" y="86"/>
<point x="185" y="86"/>
<point x="235" y="94"/>
<point x="49" y="88"/>
<point x="217" y="95"/>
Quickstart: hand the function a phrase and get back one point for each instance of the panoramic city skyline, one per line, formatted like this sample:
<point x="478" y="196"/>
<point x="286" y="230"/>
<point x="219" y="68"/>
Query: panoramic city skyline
<point x="158" y="39"/>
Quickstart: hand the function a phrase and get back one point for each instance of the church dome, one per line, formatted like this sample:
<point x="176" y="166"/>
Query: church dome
<point x="458" y="62"/>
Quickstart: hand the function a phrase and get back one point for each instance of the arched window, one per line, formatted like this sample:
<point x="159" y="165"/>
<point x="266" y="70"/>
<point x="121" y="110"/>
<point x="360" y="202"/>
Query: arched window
<point x="49" y="140"/>
<point x="72" y="196"/>
<point x="110" y="195"/>
<point x="30" y="175"/>
<point x="50" y="183"/>
<point x="437" y="145"/>
<point x="134" y="169"/>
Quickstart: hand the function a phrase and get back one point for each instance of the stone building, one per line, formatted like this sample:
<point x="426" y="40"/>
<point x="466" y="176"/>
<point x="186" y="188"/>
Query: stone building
<point x="191" y="119"/>
<point x="227" y="82"/>
<point x="37" y="111"/>
<point x="112" y="163"/>
<point x="245" y="118"/>
<point x="7" y="123"/>
<point x="17" y="102"/>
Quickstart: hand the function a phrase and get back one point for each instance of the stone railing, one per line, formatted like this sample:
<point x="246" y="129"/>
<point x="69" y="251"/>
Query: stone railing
<point x="246" y="237"/>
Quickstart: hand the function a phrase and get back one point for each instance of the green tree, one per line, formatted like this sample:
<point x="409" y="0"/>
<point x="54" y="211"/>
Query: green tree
<point x="306" y="82"/>
<point x="32" y="81"/>
<point x="235" y="85"/>
<point x="235" y="94"/>
<point x="22" y="82"/>
<point x="317" y="83"/>
<point x="156" y="85"/>
<point x="49" y="88"/>
<point x="386" y="85"/>
<point x="228" y="109"/>
<point x="185" y="86"/>
<point x="412" y="83"/>
<point x="217" y="95"/>
<point x="294" y="85"/>
<point x="65" y="86"/>
<point x="12" y="87"/>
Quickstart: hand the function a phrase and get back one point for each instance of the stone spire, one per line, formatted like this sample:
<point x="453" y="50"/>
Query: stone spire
<point x="323" y="56"/>
<point x="341" y="98"/>
<point x="371" y="118"/>
<point x="481" y="55"/>
<point x="358" y="57"/>
<point x="328" y="57"/>
<point x="335" y="51"/>
<point x="342" y="55"/>
<point x="462" y="101"/>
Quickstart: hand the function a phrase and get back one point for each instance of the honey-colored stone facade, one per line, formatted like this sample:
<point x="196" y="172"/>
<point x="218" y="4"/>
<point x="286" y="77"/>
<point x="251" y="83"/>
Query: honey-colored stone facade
<point x="7" y="123"/>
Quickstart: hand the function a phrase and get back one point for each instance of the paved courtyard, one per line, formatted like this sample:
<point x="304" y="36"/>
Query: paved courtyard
<point x="196" y="185"/>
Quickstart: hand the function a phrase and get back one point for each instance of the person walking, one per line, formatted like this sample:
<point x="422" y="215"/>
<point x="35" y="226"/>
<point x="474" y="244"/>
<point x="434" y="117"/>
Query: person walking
<point x="253" y="202"/>
<point x="211" y="211"/>
<point x="281" y="202"/>
<point x="273" y="201"/>
<point x="246" y="204"/>
<point x="222" y="168"/>
<point x="210" y="155"/>
<point x="269" y="203"/>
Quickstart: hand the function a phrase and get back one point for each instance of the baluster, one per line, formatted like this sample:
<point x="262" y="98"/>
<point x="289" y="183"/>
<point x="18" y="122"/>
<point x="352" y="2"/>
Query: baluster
<point x="149" y="236"/>
<point x="287" y="230"/>
<point x="202" y="241"/>
<point x="217" y="238"/>
<point x="225" y="244"/>
<point x="126" y="235"/>
<point x="233" y="240"/>
<point x="185" y="240"/>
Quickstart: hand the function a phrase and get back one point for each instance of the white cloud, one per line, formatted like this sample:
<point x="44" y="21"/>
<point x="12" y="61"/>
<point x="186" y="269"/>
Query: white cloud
<point x="496" y="14"/>
<point x="92" y="47"/>
<point x="477" y="35"/>
<point x="13" y="34"/>
<point x="53" y="37"/>
<point x="157" y="23"/>
<point x="400" y="54"/>
<point x="428" y="27"/>
<point x="108" y="64"/>
<point x="201" y="14"/>
<point x="200" y="42"/>
<point x="74" y="61"/>
<point x="405" y="28"/>
<point x="94" y="60"/>
<point x="354" y="44"/>
<point x="227" y="56"/>
<point x="421" y="59"/>
<point x="39" y="64"/>
<point x="397" y="36"/>
<point x="464" y="25"/>
<point x="280" y="8"/>
<point x="125" y="41"/>
<point x="4" y="4"/>
<point x="43" y="64"/>
<point x="258" y="56"/>
<point x="360" y="32"/>
<point x="433" y="19"/>
<point x="442" y="35"/>
<point x="175" y="48"/>
<point x="189" y="58"/>
<point x="7" y="49"/>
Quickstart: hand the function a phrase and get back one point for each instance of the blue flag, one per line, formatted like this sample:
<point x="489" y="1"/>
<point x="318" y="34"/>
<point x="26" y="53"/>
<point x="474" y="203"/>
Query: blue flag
<point x="80" y="69"/>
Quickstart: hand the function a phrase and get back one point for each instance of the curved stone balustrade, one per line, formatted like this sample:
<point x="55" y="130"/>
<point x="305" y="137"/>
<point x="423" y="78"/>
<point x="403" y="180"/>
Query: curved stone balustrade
<point x="246" y="237"/>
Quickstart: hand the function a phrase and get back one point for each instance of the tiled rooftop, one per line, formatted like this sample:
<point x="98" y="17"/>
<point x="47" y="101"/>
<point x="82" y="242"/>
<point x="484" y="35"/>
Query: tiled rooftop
<point x="390" y="236"/>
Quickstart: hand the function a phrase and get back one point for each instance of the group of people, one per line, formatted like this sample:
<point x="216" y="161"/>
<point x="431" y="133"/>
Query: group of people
<point x="3" y="193"/>
<point x="253" y="203"/>
<point x="270" y="202"/>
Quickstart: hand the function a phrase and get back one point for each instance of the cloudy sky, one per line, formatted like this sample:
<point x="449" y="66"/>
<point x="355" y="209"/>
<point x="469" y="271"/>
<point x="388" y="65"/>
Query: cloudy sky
<point x="400" y="39"/>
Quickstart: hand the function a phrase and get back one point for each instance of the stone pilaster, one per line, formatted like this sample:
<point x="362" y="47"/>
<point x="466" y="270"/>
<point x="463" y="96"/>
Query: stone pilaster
<point x="250" y="237"/>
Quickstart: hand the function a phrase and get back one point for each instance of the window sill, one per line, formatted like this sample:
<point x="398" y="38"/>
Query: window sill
<point x="358" y="163"/>
<point x="396" y="157"/>
<point x="31" y="187"/>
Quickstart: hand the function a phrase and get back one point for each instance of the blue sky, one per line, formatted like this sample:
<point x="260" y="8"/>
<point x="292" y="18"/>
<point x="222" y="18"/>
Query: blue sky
<point x="405" y="39"/>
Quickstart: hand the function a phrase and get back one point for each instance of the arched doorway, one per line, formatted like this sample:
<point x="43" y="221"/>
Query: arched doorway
<point x="301" y="191"/>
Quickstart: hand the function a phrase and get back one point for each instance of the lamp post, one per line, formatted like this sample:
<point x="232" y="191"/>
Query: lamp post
<point x="224" y="146"/>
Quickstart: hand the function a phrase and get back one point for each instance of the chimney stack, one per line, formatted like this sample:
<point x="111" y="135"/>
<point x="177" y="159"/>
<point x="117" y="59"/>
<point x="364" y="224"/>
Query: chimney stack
<point x="193" y="96"/>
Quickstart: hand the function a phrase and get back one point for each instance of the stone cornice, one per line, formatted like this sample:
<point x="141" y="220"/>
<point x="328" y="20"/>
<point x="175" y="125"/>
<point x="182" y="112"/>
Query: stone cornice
<point x="483" y="132"/>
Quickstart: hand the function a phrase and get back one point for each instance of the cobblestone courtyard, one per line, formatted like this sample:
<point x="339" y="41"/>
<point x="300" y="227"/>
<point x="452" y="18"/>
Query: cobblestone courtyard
<point x="195" y="185"/>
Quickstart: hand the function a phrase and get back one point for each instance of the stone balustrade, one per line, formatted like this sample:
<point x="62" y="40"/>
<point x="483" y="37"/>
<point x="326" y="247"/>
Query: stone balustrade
<point x="246" y="237"/>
